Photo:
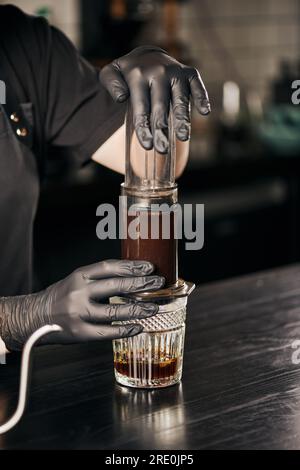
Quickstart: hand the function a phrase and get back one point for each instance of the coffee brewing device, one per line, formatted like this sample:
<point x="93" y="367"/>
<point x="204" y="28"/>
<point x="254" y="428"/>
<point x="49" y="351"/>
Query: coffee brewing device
<point x="153" y="358"/>
<point x="150" y="215"/>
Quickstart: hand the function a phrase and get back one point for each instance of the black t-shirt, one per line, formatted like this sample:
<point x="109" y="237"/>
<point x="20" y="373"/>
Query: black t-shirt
<point x="70" y="112"/>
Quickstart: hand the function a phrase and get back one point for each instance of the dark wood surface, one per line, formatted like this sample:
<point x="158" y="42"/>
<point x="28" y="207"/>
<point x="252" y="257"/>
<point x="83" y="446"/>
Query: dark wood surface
<point x="240" y="388"/>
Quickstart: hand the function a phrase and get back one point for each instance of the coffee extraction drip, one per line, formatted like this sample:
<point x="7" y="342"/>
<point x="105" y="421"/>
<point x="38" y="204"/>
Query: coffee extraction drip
<point x="150" y="214"/>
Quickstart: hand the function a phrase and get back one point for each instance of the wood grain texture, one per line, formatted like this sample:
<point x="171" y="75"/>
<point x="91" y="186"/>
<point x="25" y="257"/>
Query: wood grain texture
<point x="240" y="388"/>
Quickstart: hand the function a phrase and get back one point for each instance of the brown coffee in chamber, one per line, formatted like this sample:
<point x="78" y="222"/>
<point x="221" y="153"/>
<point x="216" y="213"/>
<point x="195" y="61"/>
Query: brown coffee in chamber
<point x="161" y="252"/>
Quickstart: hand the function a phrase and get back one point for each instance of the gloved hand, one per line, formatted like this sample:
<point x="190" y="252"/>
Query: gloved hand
<point x="79" y="305"/>
<point x="152" y="79"/>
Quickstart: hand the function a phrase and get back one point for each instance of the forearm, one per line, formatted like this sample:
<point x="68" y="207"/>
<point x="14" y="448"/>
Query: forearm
<point x="20" y="316"/>
<point x="112" y="153"/>
<point x="182" y="156"/>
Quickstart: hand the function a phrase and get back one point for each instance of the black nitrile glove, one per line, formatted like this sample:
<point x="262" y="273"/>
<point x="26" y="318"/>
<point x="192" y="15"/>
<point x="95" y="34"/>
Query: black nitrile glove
<point x="79" y="305"/>
<point x="153" y="79"/>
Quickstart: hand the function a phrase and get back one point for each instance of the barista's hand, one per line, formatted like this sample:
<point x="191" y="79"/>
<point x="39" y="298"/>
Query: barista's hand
<point x="79" y="305"/>
<point x="152" y="79"/>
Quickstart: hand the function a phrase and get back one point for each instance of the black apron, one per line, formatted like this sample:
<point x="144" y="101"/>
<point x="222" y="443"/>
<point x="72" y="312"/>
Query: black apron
<point x="19" y="192"/>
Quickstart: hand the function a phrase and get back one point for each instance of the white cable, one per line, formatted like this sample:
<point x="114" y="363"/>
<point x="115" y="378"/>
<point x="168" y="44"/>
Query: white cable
<point x="44" y="330"/>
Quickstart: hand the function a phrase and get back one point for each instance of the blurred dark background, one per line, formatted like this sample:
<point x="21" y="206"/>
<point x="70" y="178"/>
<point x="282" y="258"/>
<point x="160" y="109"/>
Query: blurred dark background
<point x="244" y="162"/>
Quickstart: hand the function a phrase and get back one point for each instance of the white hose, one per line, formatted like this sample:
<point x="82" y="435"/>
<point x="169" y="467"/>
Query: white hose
<point x="44" y="330"/>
